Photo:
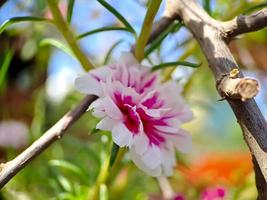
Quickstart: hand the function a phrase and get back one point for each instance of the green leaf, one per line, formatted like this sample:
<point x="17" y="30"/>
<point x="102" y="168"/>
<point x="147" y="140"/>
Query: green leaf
<point x="57" y="44"/>
<point x="255" y="7"/>
<point x="64" y="183"/>
<point x="73" y="169"/>
<point x="207" y="6"/>
<point x="174" y="26"/>
<point x="114" y="153"/>
<point x="14" y="20"/>
<point x="4" y="68"/>
<point x="146" y="29"/>
<point x="108" y="56"/>
<point x="70" y="10"/>
<point x="118" y="15"/>
<point x="103" y="29"/>
<point x="174" y="64"/>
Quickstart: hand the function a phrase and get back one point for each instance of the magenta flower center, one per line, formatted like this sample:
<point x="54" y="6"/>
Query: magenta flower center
<point x="134" y="117"/>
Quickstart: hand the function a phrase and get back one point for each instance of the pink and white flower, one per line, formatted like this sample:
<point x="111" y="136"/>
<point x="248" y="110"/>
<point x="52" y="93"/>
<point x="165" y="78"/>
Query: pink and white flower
<point x="213" y="193"/>
<point x="142" y="113"/>
<point x="13" y="134"/>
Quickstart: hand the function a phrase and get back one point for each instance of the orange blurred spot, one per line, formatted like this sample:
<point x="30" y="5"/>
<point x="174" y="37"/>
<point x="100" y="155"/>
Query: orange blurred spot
<point x="219" y="168"/>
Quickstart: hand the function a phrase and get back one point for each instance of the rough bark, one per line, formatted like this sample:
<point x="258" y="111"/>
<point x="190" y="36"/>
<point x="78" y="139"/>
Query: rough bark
<point x="212" y="36"/>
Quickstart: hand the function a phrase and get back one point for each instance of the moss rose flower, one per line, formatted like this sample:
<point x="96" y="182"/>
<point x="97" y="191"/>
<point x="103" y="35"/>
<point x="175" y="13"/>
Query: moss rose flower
<point x="142" y="113"/>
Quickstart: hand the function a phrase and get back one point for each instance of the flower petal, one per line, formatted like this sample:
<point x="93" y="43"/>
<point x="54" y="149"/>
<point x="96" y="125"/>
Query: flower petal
<point x="106" y="124"/>
<point x="88" y="85"/>
<point x="102" y="73"/>
<point x="169" y="160"/>
<point x="152" y="157"/>
<point x="128" y="59"/>
<point x="97" y="107"/>
<point x="121" y="135"/>
<point x="186" y="114"/>
<point x="111" y="109"/>
<point x="183" y="141"/>
<point x="141" y="143"/>
<point x="167" y="129"/>
<point x="141" y="165"/>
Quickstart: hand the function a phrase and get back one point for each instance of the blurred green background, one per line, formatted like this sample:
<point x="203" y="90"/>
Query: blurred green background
<point x="36" y="89"/>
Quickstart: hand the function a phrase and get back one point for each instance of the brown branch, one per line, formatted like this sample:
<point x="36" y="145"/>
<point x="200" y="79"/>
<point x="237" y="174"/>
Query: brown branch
<point x="211" y="36"/>
<point x="11" y="168"/>
<point x="244" y="24"/>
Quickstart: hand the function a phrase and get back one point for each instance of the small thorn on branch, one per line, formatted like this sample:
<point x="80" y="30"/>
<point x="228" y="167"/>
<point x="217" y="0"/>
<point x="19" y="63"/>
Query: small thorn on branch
<point x="238" y="88"/>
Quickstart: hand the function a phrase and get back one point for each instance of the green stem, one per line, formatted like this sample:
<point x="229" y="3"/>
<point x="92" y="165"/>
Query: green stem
<point x="104" y="173"/>
<point x="68" y="35"/>
<point x="146" y="29"/>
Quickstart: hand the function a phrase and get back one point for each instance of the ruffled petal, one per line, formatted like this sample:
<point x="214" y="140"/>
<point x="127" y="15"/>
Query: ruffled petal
<point x="186" y="114"/>
<point x="121" y="135"/>
<point x="141" y="165"/>
<point x="141" y="143"/>
<point x="106" y="124"/>
<point x="167" y="129"/>
<point x="168" y="160"/>
<point x="97" y="108"/>
<point x="102" y="73"/>
<point x="128" y="59"/>
<point x="183" y="141"/>
<point x="88" y="85"/>
<point x="111" y="109"/>
<point x="152" y="157"/>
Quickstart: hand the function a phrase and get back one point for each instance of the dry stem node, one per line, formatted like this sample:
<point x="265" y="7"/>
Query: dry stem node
<point x="238" y="88"/>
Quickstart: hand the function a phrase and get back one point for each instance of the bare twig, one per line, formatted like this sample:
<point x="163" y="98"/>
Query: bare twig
<point x="212" y="37"/>
<point x="11" y="168"/>
<point x="244" y="24"/>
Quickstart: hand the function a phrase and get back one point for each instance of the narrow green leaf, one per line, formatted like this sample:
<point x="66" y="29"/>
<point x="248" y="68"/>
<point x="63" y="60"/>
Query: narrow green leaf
<point x="143" y="37"/>
<point x="207" y="6"/>
<point x="70" y="10"/>
<point x="174" y="26"/>
<point x="4" y="68"/>
<point x="174" y="64"/>
<point x="255" y="7"/>
<point x="64" y="183"/>
<point x="117" y="14"/>
<point x="110" y="51"/>
<point x="103" y="29"/>
<point x="114" y="153"/>
<point x="14" y="20"/>
<point x="57" y="44"/>
<point x="68" y="167"/>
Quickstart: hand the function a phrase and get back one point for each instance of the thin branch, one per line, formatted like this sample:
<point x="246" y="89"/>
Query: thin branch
<point x="211" y="35"/>
<point x="10" y="169"/>
<point x="244" y="24"/>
